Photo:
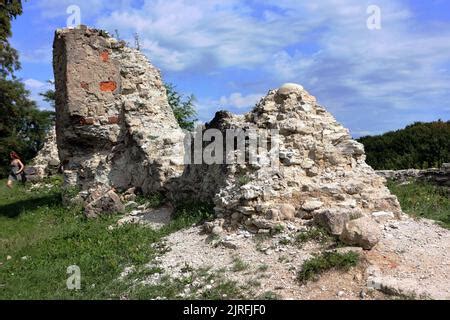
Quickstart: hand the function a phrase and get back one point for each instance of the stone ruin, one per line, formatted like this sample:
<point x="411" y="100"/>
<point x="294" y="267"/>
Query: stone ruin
<point x="438" y="176"/>
<point x="46" y="163"/>
<point x="116" y="132"/>
<point x="115" y="128"/>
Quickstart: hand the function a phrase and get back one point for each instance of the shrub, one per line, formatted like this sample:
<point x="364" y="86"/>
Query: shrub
<point x="314" y="234"/>
<point x="326" y="261"/>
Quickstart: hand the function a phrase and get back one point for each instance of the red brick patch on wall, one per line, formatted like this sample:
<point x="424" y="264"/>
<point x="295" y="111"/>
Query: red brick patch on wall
<point x="104" y="56"/>
<point x="113" y="120"/>
<point x="108" y="86"/>
<point x="87" y="121"/>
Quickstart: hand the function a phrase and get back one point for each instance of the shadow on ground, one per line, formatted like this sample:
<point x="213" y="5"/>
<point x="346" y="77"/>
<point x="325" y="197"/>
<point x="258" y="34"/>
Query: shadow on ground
<point x="13" y="210"/>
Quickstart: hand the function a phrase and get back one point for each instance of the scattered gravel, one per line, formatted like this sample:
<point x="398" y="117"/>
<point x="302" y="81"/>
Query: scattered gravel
<point x="412" y="260"/>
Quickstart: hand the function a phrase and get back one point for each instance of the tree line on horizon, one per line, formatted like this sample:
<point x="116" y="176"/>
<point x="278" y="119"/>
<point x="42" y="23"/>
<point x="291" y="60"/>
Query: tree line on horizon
<point x="421" y="145"/>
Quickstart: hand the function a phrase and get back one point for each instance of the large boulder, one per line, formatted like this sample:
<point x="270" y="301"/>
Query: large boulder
<point x="105" y="203"/>
<point x="363" y="232"/>
<point x="333" y="220"/>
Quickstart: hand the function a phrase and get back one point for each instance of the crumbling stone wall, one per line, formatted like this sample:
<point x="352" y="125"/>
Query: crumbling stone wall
<point x="46" y="163"/>
<point x="436" y="176"/>
<point x="321" y="175"/>
<point x="114" y="125"/>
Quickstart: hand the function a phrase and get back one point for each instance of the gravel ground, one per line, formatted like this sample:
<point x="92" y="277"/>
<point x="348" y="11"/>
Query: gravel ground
<point x="412" y="261"/>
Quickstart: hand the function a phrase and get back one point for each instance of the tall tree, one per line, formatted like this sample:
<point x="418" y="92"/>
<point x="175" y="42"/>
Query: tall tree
<point x="22" y="124"/>
<point x="49" y="95"/>
<point x="9" y="58"/>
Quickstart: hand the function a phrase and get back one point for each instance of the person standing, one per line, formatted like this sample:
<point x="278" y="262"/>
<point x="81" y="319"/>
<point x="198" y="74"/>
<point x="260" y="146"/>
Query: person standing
<point x="17" y="170"/>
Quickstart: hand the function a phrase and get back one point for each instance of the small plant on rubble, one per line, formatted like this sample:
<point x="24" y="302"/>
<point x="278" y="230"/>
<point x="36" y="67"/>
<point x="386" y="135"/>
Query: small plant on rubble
<point x="314" y="234"/>
<point x="239" y="265"/>
<point x="279" y="228"/>
<point x="320" y="263"/>
<point x="243" y="180"/>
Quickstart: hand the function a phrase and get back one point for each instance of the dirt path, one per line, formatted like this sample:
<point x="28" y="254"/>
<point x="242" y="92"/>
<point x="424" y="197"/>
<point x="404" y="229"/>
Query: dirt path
<point x="411" y="261"/>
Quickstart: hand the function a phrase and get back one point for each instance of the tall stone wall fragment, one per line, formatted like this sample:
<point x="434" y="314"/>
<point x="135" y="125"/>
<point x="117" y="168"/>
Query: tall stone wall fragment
<point x="114" y="125"/>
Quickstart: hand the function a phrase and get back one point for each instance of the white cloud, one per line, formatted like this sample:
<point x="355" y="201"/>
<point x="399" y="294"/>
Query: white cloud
<point x="239" y="101"/>
<point x="39" y="55"/>
<point x="381" y="78"/>
<point x="34" y="84"/>
<point x="36" y="87"/>
<point x="205" y="34"/>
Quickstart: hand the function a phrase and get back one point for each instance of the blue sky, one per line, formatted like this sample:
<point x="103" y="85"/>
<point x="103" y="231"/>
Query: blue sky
<point x="230" y="53"/>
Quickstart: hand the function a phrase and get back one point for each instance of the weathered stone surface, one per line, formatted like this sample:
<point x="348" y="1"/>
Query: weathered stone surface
<point x="312" y="205"/>
<point x="287" y="212"/>
<point x="439" y="176"/>
<point x="46" y="163"/>
<point x="107" y="203"/>
<point x="114" y="124"/>
<point x="333" y="220"/>
<point x="382" y="216"/>
<point x="363" y="232"/>
<point x="153" y="218"/>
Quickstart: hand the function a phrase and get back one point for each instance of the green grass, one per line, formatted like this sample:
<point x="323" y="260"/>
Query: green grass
<point x="36" y="225"/>
<point x="152" y="201"/>
<point x="313" y="234"/>
<point x="239" y="265"/>
<point x="424" y="200"/>
<point x="317" y="265"/>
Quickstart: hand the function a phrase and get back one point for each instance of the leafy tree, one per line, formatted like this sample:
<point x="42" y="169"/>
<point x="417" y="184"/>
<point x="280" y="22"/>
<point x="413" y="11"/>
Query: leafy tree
<point x="9" y="58"/>
<point x="420" y="145"/>
<point x="49" y="95"/>
<point x="22" y="124"/>
<point x="183" y="108"/>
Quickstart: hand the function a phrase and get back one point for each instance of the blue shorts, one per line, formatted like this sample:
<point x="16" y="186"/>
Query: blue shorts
<point x="14" y="177"/>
